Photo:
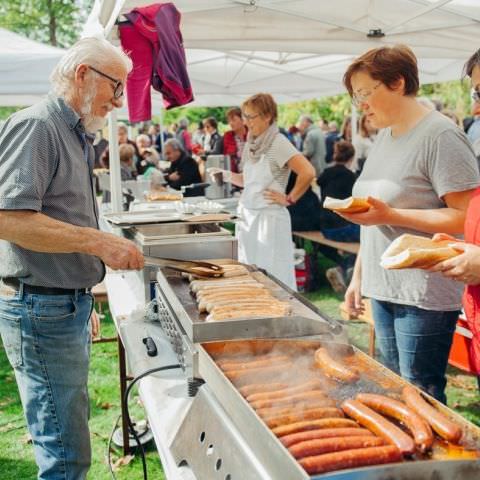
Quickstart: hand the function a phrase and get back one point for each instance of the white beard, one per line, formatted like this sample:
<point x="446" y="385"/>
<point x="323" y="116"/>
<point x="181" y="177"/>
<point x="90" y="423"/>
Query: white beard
<point x="92" y="123"/>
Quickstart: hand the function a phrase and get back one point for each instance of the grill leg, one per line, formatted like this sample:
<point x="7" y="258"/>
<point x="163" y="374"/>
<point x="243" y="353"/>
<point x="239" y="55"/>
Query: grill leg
<point x="123" y="388"/>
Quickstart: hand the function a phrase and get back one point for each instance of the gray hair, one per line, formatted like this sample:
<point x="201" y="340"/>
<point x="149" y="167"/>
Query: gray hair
<point x="183" y="123"/>
<point x="144" y="137"/>
<point x="306" y="118"/>
<point x="122" y="126"/>
<point x="174" y="143"/>
<point x="93" y="51"/>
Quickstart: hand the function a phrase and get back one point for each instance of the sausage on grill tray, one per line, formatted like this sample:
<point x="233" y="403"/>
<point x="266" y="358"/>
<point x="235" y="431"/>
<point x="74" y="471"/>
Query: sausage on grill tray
<point x="255" y="388"/>
<point x="296" y="407"/>
<point x="247" y="364"/>
<point x="350" y="459"/>
<point x="421" y="431"/>
<point x="281" y="393"/>
<point x="379" y="425"/>
<point x="447" y="429"/>
<point x="236" y="375"/>
<point x="319" y="446"/>
<point x="291" y="399"/>
<point x="307" y="425"/>
<point x="292" y="439"/>
<point x="334" y="369"/>
<point x="309" y="414"/>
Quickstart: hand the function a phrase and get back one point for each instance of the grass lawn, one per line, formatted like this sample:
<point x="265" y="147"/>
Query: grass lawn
<point x="16" y="453"/>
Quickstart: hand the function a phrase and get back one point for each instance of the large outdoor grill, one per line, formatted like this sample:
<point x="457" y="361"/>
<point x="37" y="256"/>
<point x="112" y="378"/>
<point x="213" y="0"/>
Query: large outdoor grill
<point x="223" y="437"/>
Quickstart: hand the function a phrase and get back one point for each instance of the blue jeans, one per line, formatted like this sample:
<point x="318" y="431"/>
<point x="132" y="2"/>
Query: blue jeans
<point x="415" y="343"/>
<point x="47" y="341"/>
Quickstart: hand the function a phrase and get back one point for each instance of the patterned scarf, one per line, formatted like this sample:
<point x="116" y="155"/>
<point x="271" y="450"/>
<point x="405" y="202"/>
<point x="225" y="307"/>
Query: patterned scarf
<point x="258" y="146"/>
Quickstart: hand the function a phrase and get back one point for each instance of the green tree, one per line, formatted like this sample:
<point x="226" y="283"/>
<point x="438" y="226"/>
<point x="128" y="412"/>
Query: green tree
<point x="56" y="22"/>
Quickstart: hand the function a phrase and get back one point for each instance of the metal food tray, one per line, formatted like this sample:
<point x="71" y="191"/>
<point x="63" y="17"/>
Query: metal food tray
<point x="306" y="319"/>
<point x="153" y="234"/>
<point x="142" y="217"/>
<point x="277" y="461"/>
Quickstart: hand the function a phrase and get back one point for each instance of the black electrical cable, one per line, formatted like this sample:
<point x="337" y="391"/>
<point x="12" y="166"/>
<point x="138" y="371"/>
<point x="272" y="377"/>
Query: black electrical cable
<point x="109" y="447"/>
<point x="129" y="420"/>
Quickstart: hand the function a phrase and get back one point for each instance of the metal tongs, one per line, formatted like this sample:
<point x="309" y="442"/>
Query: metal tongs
<point x="194" y="267"/>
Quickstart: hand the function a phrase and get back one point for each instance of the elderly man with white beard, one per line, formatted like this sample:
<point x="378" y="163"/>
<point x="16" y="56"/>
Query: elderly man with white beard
<point x="52" y="252"/>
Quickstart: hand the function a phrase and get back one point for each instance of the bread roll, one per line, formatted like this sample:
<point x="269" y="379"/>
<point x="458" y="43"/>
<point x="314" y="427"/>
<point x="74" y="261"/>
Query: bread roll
<point x="414" y="251"/>
<point x="348" y="205"/>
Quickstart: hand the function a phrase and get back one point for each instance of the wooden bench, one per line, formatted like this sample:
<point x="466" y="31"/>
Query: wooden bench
<point x="318" y="237"/>
<point x="366" y="317"/>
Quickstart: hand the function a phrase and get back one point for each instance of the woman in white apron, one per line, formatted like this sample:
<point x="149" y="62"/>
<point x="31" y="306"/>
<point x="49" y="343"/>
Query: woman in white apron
<point x="264" y="230"/>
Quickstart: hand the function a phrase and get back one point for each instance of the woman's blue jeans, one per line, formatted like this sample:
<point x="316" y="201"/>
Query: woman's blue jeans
<point x="47" y="341"/>
<point x="415" y="343"/>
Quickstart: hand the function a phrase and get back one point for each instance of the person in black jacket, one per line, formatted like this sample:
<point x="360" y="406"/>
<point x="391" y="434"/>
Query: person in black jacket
<point x="337" y="182"/>
<point x="183" y="169"/>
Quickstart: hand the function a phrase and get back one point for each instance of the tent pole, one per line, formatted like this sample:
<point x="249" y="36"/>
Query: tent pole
<point x="115" y="177"/>
<point x="160" y="114"/>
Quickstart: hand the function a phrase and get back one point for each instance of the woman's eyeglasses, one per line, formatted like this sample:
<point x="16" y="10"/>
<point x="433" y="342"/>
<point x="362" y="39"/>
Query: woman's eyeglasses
<point x="248" y="118"/>
<point x="117" y="84"/>
<point x="359" y="98"/>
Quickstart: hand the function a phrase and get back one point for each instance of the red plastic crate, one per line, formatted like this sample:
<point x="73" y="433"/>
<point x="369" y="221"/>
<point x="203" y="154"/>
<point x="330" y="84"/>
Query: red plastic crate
<point x="459" y="353"/>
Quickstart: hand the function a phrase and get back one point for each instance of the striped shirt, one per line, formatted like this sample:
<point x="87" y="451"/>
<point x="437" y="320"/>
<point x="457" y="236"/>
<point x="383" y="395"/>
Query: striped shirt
<point x="46" y="165"/>
<point x="279" y="153"/>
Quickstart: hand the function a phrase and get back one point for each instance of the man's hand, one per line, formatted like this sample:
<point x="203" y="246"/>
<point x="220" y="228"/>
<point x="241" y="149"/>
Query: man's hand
<point x="118" y="253"/>
<point x="465" y="267"/>
<point x="378" y="214"/>
<point x="94" y="324"/>
<point x="174" y="177"/>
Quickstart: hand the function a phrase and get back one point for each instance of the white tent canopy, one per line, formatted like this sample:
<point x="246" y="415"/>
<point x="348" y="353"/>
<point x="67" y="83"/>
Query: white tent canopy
<point x="25" y="66"/>
<point x="300" y="49"/>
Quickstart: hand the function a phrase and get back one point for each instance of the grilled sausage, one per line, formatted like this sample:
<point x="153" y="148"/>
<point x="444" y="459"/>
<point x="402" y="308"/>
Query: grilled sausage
<point x="252" y="363"/>
<point x="447" y="429"/>
<point x="296" y="407"/>
<point x="255" y="388"/>
<point x="334" y="369"/>
<point x="350" y="459"/>
<point x="421" y="431"/>
<point x="379" y="425"/>
<point x="205" y="292"/>
<point x="318" y="446"/>
<point x="292" y="439"/>
<point x="305" y="426"/>
<point x="309" y="414"/>
<point x="282" y="393"/>
<point x="235" y="375"/>
<point x="242" y="303"/>
<point x="292" y="399"/>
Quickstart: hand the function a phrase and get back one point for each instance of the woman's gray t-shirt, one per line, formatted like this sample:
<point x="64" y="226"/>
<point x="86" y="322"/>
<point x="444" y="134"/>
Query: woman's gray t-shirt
<point x="413" y="171"/>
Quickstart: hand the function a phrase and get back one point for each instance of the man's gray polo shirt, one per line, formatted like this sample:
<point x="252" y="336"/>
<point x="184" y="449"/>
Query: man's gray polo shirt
<point x="46" y="163"/>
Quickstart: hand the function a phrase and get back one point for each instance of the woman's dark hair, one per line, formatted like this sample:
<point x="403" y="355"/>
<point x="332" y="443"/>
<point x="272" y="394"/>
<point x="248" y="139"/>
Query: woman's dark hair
<point x="343" y="151"/>
<point x="211" y="121"/>
<point x="388" y="65"/>
<point x="472" y="62"/>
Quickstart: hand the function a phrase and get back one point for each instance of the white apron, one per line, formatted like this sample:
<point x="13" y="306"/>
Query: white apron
<point x="264" y="230"/>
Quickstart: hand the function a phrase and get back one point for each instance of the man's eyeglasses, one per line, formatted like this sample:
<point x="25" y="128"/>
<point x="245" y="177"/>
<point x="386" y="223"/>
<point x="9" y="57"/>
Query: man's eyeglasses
<point x="359" y="98"/>
<point x="117" y="84"/>
<point x="250" y="117"/>
<point x="475" y="94"/>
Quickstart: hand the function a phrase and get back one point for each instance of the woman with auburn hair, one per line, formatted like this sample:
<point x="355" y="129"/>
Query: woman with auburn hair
<point x="420" y="175"/>
<point x="465" y="268"/>
<point x="264" y="231"/>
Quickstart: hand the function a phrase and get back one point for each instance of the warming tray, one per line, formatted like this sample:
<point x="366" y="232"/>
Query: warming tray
<point x="142" y="217"/>
<point x="306" y="319"/>
<point x="277" y="461"/>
